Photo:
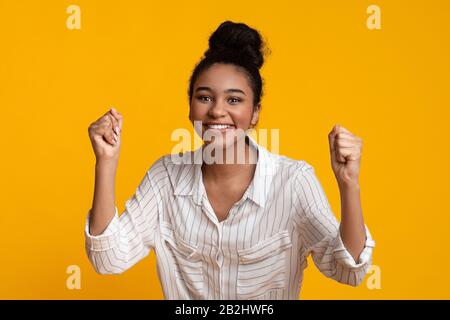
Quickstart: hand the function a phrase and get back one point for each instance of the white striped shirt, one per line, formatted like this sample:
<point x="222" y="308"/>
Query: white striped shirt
<point x="258" y="252"/>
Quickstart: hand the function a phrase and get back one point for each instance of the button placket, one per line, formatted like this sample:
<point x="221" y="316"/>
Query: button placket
<point x="219" y="254"/>
<point x="220" y="257"/>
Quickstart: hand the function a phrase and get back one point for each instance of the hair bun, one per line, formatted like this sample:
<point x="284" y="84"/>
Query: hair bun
<point x="238" y="40"/>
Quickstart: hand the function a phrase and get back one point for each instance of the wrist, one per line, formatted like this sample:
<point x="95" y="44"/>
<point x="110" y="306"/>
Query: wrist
<point x="349" y="185"/>
<point x="107" y="164"/>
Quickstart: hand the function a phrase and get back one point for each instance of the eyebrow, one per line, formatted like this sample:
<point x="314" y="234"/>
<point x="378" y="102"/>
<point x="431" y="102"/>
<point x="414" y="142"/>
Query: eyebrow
<point x="226" y="91"/>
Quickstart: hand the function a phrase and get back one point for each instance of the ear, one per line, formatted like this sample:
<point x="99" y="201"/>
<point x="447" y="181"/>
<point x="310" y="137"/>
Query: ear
<point x="255" y="115"/>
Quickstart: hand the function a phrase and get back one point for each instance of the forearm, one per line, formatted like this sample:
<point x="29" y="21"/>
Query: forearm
<point x="103" y="206"/>
<point x="352" y="226"/>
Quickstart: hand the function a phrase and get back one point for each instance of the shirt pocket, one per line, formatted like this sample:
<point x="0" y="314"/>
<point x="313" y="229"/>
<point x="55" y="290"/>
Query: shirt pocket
<point x="262" y="268"/>
<point x="187" y="260"/>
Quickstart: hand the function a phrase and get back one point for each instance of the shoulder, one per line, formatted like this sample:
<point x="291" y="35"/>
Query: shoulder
<point x="304" y="173"/>
<point x="295" y="167"/>
<point x="156" y="172"/>
<point x="170" y="168"/>
<point x="296" y="173"/>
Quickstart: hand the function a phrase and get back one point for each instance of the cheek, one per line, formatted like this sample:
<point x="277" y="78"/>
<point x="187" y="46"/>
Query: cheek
<point x="242" y="116"/>
<point x="191" y="114"/>
<point x="196" y="112"/>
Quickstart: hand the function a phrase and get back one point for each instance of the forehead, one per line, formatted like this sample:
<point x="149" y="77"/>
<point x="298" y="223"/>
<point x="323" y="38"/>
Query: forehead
<point x="220" y="77"/>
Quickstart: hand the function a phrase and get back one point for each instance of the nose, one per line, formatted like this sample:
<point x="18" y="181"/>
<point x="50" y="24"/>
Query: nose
<point x="217" y="110"/>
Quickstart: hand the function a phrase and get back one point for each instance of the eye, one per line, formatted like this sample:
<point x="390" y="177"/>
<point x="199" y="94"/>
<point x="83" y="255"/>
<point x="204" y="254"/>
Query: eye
<point x="204" y="98"/>
<point x="234" y="100"/>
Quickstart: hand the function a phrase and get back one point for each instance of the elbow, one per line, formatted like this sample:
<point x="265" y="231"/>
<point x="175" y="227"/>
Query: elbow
<point x="355" y="283"/>
<point x="108" y="271"/>
<point x="349" y="276"/>
<point x="356" y="278"/>
<point x="101" y="267"/>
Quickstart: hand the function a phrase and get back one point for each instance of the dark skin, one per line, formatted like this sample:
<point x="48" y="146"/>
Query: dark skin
<point x="216" y="100"/>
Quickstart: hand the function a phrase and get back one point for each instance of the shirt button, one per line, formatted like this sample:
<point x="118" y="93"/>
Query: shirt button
<point x="219" y="257"/>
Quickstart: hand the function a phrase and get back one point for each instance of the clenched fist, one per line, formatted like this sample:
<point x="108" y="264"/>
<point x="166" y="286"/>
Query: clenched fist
<point x="105" y="135"/>
<point x="345" y="151"/>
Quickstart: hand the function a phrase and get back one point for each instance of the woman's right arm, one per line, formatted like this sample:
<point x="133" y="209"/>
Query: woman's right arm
<point x="105" y="139"/>
<point x="113" y="243"/>
<point x="103" y="204"/>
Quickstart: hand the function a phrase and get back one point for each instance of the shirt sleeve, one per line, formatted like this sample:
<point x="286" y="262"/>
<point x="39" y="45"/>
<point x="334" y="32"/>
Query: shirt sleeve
<point x="129" y="238"/>
<point x="320" y="235"/>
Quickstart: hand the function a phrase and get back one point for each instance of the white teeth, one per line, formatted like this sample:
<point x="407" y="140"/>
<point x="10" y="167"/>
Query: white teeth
<point x="219" y="126"/>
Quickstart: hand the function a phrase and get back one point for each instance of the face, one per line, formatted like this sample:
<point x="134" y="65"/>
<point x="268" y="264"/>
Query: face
<point x="222" y="100"/>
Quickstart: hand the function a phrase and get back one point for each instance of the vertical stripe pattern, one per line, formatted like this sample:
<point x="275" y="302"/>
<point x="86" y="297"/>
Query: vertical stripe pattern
<point x="258" y="252"/>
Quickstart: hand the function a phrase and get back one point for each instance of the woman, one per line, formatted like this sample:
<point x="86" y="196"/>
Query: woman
<point x="239" y="230"/>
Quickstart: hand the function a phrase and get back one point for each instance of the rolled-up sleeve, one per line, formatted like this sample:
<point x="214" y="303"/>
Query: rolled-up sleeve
<point x="129" y="238"/>
<point x="320" y="234"/>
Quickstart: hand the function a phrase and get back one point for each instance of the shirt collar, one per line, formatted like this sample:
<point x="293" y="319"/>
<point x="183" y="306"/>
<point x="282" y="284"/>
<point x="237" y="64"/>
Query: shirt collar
<point x="187" y="178"/>
<point x="265" y="169"/>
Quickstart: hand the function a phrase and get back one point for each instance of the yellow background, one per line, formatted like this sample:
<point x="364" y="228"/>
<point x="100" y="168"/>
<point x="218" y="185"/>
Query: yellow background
<point x="389" y="86"/>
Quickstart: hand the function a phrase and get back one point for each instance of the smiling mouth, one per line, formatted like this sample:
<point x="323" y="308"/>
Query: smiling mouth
<point x="219" y="126"/>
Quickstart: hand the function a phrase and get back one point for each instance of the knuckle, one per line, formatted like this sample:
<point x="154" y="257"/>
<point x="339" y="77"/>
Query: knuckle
<point x="93" y="126"/>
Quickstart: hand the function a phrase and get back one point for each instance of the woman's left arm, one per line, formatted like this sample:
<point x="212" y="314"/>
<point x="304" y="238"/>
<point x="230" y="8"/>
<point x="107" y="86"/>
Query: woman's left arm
<point x="345" y="152"/>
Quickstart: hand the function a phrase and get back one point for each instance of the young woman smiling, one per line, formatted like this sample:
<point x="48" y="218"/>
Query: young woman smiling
<point x="239" y="230"/>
